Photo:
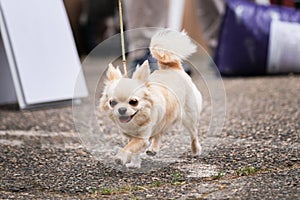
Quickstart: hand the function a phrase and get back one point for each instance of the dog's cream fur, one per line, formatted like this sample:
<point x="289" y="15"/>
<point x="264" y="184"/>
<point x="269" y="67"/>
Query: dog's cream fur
<point x="147" y="105"/>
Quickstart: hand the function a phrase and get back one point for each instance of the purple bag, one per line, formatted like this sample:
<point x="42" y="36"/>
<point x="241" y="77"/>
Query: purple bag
<point x="244" y="36"/>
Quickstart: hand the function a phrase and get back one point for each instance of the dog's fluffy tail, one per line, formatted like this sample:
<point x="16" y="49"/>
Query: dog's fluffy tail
<point x="171" y="47"/>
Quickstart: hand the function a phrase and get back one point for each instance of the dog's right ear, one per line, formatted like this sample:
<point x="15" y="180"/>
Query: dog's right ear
<point x="143" y="72"/>
<point x="113" y="73"/>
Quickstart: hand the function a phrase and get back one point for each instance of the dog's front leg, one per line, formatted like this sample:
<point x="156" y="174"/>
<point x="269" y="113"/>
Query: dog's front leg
<point x="136" y="146"/>
<point x="132" y="152"/>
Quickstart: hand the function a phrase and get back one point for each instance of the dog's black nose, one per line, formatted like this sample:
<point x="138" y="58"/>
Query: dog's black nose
<point x="122" y="110"/>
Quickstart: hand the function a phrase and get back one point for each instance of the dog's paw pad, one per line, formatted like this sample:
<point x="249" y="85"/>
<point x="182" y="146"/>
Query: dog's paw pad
<point x="118" y="161"/>
<point x="150" y="153"/>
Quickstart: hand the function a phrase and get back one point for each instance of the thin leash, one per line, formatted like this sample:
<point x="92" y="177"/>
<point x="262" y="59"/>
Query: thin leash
<point x="122" y="38"/>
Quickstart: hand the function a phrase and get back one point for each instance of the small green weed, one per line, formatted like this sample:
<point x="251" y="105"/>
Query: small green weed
<point x="100" y="191"/>
<point x="177" y="179"/>
<point x="92" y="190"/>
<point x="247" y="171"/>
<point x="105" y="191"/>
<point x="96" y="192"/>
<point x="155" y="184"/>
<point x="134" y="198"/>
<point x="218" y="176"/>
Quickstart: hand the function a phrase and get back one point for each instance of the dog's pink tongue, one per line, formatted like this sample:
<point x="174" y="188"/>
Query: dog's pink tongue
<point x="124" y="119"/>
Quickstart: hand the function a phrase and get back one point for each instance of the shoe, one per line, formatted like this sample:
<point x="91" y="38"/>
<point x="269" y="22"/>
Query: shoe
<point x="147" y="56"/>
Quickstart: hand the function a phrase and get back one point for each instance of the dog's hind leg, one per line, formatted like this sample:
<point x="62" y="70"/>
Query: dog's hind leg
<point x="190" y="122"/>
<point x="155" y="145"/>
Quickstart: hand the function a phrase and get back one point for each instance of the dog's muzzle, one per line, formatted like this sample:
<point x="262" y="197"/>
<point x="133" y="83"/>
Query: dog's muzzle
<point x="126" y="118"/>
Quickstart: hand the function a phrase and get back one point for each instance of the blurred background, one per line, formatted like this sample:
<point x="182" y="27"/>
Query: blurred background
<point x="93" y="21"/>
<point x="237" y="34"/>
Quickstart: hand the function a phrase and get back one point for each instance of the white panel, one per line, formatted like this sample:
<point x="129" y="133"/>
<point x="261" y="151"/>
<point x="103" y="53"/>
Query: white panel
<point x="176" y="14"/>
<point x="43" y="49"/>
<point x="264" y="2"/>
<point x="284" y="48"/>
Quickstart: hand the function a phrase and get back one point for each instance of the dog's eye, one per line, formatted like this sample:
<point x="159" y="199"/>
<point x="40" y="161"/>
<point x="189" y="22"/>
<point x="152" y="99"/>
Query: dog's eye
<point x="112" y="103"/>
<point x="133" y="102"/>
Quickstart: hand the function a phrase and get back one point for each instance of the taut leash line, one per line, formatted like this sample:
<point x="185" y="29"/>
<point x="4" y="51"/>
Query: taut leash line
<point x="122" y="38"/>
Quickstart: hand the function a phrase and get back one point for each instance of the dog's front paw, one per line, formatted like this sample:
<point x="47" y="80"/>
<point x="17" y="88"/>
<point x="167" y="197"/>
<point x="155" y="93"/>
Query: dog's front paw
<point x="135" y="162"/>
<point x="122" y="157"/>
<point x="133" y="165"/>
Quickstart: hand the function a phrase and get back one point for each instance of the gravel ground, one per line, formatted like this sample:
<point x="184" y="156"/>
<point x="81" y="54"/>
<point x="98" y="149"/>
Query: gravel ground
<point x="255" y="156"/>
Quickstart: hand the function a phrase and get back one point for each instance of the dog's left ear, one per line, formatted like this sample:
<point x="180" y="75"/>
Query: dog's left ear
<point x="113" y="73"/>
<point x="143" y="72"/>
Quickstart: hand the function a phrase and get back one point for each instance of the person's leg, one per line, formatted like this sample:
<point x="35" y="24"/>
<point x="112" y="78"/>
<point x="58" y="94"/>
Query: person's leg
<point x="210" y="15"/>
<point x="74" y="10"/>
<point x="140" y="14"/>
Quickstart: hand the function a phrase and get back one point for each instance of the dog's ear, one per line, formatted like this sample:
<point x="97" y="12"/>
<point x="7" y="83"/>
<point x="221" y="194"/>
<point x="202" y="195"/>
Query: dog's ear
<point x="142" y="73"/>
<point x="113" y="73"/>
